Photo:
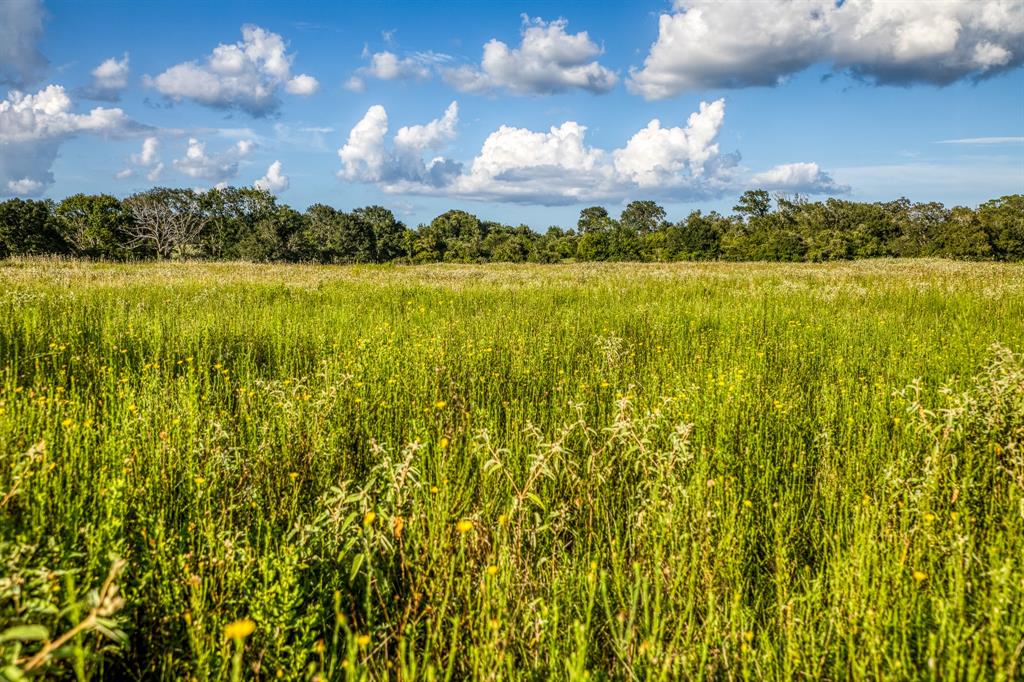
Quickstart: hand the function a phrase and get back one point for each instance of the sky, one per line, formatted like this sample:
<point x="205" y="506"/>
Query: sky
<point x="522" y="112"/>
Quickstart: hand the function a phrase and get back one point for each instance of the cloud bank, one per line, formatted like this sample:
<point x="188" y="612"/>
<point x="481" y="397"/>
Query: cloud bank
<point x="707" y="44"/>
<point x="558" y="166"/>
<point x="32" y="128"/>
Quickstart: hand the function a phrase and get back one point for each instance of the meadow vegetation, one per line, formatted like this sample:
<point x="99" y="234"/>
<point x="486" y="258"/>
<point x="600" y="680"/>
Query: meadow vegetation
<point x="585" y="471"/>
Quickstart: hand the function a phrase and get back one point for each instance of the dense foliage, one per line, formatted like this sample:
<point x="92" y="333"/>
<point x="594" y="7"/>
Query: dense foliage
<point x="715" y="471"/>
<point x="249" y="224"/>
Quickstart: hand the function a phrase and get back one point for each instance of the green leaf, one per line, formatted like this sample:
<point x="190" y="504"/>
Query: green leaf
<point x="25" y="633"/>
<point x="12" y="673"/>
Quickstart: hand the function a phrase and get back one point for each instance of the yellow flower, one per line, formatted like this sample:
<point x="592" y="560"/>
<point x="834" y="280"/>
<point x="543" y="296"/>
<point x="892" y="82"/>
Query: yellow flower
<point x="434" y="489"/>
<point x="440" y="404"/>
<point x="369" y="518"/>
<point x="293" y="475"/>
<point x="954" y="515"/>
<point x="67" y="422"/>
<point x="464" y="526"/>
<point x="748" y="635"/>
<point x="492" y="570"/>
<point x="919" y="576"/>
<point x="443" y="443"/>
<point x="240" y="629"/>
<point x="502" y="519"/>
<point x="363" y="640"/>
<point x="929" y="517"/>
<point x="199" y="480"/>
<point x="748" y="504"/>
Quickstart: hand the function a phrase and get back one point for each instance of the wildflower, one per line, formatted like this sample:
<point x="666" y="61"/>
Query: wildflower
<point x="368" y="518"/>
<point x="919" y="576"/>
<point x="440" y="404"/>
<point x="67" y="422"/>
<point x="434" y="489"/>
<point x="240" y="629"/>
<point x="748" y="504"/>
<point x="492" y="570"/>
<point x="199" y="480"/>
<point x="363" y="640"/>
<point x="502" y="519"/>
<point x="443" y="443"/>
<point x="954" y="515"/>
<point x="293" y="475"/>
<point x="929" y="517"/>
<point x="748" y="635"/>
<point x="464" y="526"/>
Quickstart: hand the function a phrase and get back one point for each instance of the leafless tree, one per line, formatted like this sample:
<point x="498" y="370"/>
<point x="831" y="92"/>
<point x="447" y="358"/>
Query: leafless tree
<point x="166" y="219"/>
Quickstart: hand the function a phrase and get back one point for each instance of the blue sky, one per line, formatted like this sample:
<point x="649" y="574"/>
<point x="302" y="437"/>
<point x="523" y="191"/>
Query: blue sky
<point x="859" y="100"/>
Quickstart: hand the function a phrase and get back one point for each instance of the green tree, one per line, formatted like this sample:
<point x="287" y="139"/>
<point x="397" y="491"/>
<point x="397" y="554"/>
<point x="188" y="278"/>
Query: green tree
<point x="94" y="225"/>
<point x="1003" y="221"/>
<point x="235" y="215"/>
<point x="643" y="217"/>
<point x="593" y="219"/>
<point x="754" y="203"/>
<point x="29" y="227"/>
<point x="388" y="232"/>
<point x="332" y="236"/>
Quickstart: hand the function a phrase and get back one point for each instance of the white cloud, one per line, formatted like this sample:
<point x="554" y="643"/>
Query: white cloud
<point x="218" y="168"/>
<point x="656" y="156"/>
<point x="363" y="155"/>
<point x="246" y="75"/>
<point x="21" y="28"/>
<point x="804" y="178"/>
<point x="709" y="44"/>
<point x="302" y="85"/>
<point x="24" y="187"/>
<point x="274" y="181"/>
<point x="558" y="166"/>
<point x="32" y="128"/>
<point x="548" y="60"/>
<point x="366" y="157"/>
<point x="985" y="140"/>
<point x="109" y="79"/>
<point x="389" y="66"/>
<point x="355" y="84"/>
<point x="148" y="160"/>
<point x="433" y="135"/>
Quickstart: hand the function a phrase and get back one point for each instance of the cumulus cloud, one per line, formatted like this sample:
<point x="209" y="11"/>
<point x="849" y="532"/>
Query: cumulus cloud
<point x="21" y="28"/>
<point x="365" y="156"/>
<point x="218" y="168"/>
<point x="147" y="161"/>
<point x="803" y="178"/>
<point x="302" y="84"/>
<point x="108" y="80"/>
<point x="274" y="181"/>
<point x="548" y="60"/>
<point x="247" y="75"/>
<point x="32" y="128"/>
<point x="558" y="166"/>
<point x="709" y="44"/>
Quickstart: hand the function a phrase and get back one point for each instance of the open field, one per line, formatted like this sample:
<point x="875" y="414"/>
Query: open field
<point x="496" y="472"/>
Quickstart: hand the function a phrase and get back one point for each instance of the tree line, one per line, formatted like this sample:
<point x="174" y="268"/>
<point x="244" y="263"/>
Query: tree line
<point x="249" y="224"/>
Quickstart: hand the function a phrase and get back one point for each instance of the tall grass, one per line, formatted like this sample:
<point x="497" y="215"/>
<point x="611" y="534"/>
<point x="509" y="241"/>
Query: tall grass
<point x="501" y="472"/>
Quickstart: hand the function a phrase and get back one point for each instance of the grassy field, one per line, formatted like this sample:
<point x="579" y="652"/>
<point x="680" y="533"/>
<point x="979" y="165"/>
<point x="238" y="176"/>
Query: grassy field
<point x="722" y="471"/>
